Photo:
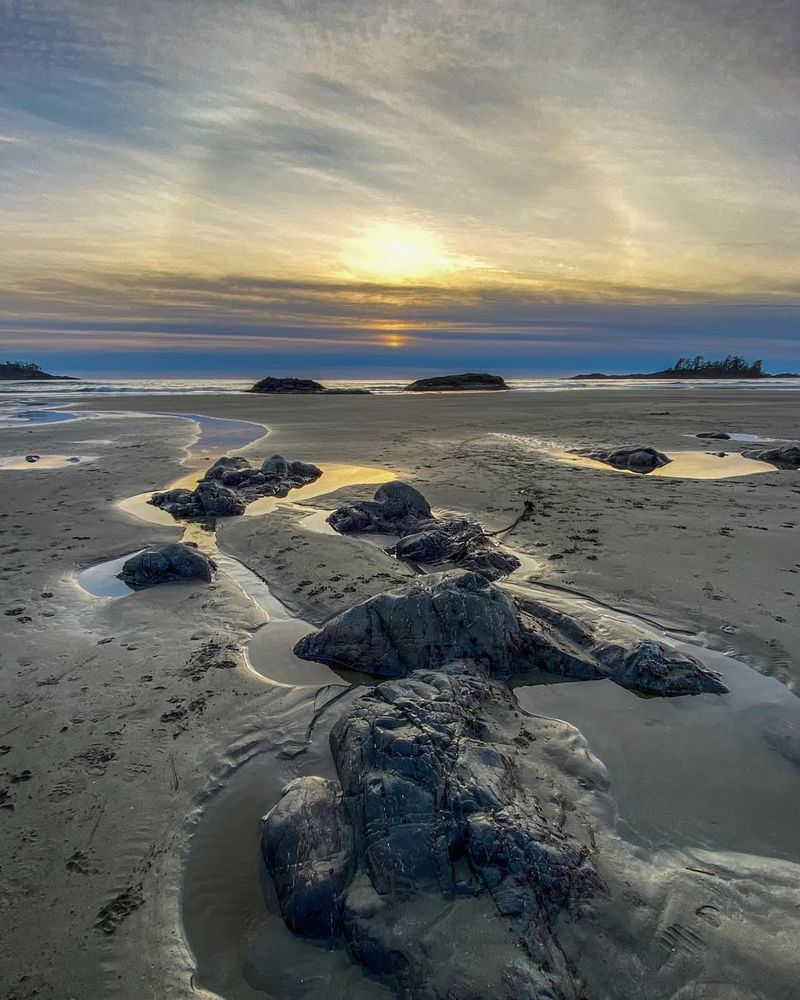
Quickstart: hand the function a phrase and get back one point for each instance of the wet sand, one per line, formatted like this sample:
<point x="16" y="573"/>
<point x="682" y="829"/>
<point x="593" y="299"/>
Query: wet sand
<point x="122" y="716"/>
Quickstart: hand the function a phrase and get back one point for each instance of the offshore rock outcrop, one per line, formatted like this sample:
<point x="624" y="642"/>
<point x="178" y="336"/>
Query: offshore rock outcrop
<point x="429" y="837"/>
<point x="633" y="458"/>
<point x="445" y="617"/>
<point x="466" y="381"/>
<point x="172" y="563"/>
<point x="787" y="457"/>
<point x="232" y="483"/>
<point x="287" y="385"/>
<point x="400" y="509"/>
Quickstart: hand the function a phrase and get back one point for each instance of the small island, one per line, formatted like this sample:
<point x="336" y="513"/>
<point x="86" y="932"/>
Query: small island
<point x="466" y="381"/>
<point x="27" y="371"/>
<point x="300" y="386"/>
<point x="733" y="367"/>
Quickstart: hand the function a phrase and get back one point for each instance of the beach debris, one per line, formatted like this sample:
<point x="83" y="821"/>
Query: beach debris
<point x="232" y="483"/>
<point x="171" y="563"/>
<point x="634" y="458"/>
<point x="428" y="807"/>
<point x="400" y="509"/>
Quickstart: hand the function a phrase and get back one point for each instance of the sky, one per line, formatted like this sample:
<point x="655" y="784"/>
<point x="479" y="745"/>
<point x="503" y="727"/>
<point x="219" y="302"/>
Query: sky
<point x="365" y="187"/>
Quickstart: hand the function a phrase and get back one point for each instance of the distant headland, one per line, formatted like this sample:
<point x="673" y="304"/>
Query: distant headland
<point x="26" y="371"/>
<point x="731" y="367"/>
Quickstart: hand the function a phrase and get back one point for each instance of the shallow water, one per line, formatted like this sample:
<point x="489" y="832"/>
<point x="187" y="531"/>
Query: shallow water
<point x="102" y="581"/>
<point x="19" y="463"/>
<point x="683" y="465"/>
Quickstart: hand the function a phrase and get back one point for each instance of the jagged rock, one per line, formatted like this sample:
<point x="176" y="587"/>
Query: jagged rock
<point x="634" y="458"/>
<point x="451" y="616"/>
<point x="431" y="809"/>
<point x="399" y="509"/>
<point x="714" y="435"/>
<point x="787" y="457"/>
<point x="231" y="483"/>
<point x="219" y="501"/>
<point x="167" y="564"/>
<point x="287" y="385"/>
<point x="454" y="383"/>
<point x="460" y="542"/>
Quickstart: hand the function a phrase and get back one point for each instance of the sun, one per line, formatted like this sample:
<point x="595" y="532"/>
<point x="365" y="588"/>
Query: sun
<point x="397" y="253"/>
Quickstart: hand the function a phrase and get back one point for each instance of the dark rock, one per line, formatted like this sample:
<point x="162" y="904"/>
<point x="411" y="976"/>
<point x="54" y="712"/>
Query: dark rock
<point x="397" y="509"/>
<point x="454" y="383"/>
<point x="231" y="483"/>
<point x="219" y="501"/>
<point x="714" y="435"/>
<point x="309" y="853"/>
<point x="167" y="564"/>
<point x="651" y="668"/>
<point x="74" y="458"/>
<point x="787" y="457"/>
<point x="460" y="542"/>
<point x="32" y="458"/>
<point x="451" y="616"/>
<point x="634" y="458"/>
<point x="287" y="385"/>
<point x="431" y="809"/>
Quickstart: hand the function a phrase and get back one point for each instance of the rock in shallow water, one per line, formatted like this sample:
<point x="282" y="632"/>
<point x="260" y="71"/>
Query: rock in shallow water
<point x="167" y="564"/>
<point x="232" y="483"/>
<point x="634" y="458"/>
<point x="399" y="509"/>
<point x="428" y="823"/>
<point x="451" y="616"/>
<point x="455" y="383"/>
<point x="782" y="458"/>
<point x="287" y="385"/>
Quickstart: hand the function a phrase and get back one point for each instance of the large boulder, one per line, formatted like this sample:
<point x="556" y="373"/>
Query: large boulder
<point x="167" y="564"/>
<point x="787" y="457"/>
<point x="633" y="458"/>
<point x="480" y="381"/>
<point x="429" y="817"/>
<point x="219" y="501"/>
<point x="444" y="617"/>
<point x="287" y="385"/>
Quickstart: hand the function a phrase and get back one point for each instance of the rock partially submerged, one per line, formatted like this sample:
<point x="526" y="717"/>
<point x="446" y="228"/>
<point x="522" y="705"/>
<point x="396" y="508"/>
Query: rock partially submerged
<point x="714" y="435"/>
<point x="452" y="616"/>
<point x="399" y="509"/>
<point x="232" y="483"/>
<point x="430" y="837"/>
<point x="172" y="563"/>
<point x="470" y="381"/>
<point x="787" y="457"/>
<point x="287" y="385"/>
<point x="634" y="458"/>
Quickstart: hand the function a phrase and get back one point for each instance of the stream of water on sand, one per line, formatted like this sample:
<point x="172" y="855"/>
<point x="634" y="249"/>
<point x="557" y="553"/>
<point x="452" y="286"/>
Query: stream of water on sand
<point x="702" y="771"/>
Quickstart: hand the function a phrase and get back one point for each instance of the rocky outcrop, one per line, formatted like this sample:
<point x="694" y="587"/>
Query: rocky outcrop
<point x="399" y="509"/>
<point x="171" y="563"/>
<point x="429" y="837"/>
<point x="452" y="616"/>
<point x="634" y="458"/>
<point x="787" y="457"/>
<point x="232" y="483"/>
<point x="714" y="435"/>
<point x="287" y="385"/>
<point x="470" y="381"/>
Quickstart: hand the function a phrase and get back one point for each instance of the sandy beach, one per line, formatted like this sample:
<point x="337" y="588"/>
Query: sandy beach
<point x="141" y="741"/>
